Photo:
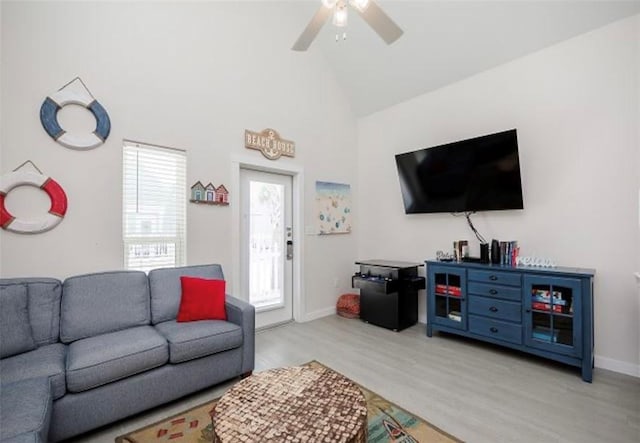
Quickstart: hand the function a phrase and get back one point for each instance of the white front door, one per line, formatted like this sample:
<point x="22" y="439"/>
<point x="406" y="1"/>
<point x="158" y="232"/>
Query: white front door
<point x="267" y="245"/>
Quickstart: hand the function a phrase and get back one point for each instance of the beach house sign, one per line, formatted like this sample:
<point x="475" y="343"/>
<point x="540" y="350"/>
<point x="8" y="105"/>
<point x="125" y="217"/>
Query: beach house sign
<point x="269" y="143"/>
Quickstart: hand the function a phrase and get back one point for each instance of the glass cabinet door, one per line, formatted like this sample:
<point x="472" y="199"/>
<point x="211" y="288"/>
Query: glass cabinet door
<point x="552" y="314"/>
<point x="447" y="303"/>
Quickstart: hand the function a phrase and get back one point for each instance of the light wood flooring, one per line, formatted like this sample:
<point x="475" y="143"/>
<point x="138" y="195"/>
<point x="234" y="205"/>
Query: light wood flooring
<point x="475" y="391"/>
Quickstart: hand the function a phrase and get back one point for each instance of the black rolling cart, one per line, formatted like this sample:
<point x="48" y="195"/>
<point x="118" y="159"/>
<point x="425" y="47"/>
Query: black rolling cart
<point x="388" y="292"/>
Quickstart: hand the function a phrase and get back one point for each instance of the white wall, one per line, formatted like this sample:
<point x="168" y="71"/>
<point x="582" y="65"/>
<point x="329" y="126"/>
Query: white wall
<point x="575" y="106"/>
<point x="638" y="171"/>
<point x="190" y="75"/>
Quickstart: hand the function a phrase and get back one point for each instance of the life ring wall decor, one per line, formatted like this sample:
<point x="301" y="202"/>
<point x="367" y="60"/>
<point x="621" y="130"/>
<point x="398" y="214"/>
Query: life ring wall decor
<point x="65" y="96"/>
<point x="55" y="192"/>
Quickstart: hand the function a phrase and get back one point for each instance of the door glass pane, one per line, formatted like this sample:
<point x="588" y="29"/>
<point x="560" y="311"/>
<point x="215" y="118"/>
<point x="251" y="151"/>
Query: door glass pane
<point x="454" y="283"/>
<point x="448" y="294"/>
<point x="562" y="300"/>
<point x="552" y="307"/>
<point x="551" y="298"/>
<point x="563" y="325"/>
<point x="266" y="244"/>
<point x="441" y="306"/>
<point x="448" y="284"/>
<point x="542" y="329"/>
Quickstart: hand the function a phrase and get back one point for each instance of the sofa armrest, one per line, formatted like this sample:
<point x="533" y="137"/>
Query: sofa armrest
<point x="243" y="314"/>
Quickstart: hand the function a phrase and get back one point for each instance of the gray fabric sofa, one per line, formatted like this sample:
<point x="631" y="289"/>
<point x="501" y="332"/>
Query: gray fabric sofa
<point x="105" y="346"/>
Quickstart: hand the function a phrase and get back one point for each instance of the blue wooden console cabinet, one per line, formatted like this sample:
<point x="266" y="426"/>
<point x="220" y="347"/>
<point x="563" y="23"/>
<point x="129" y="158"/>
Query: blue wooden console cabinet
<point x="543" y="311"/>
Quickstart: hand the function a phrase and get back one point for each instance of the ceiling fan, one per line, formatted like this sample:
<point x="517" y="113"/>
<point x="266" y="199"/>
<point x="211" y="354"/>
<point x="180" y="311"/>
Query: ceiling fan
<point x="368" y="10"/>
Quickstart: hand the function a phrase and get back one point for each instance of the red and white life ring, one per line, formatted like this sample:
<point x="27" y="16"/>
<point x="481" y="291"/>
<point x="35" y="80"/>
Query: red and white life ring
<point x="51" y="187"/>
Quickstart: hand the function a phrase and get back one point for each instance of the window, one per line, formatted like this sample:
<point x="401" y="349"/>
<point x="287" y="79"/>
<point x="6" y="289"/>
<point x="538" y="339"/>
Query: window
<point x="154" y="206"/>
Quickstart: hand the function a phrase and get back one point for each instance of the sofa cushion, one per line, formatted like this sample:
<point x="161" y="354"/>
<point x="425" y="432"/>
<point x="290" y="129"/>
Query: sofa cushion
<point x="202" y="299"/>
<point x="15" y="329"/>
<point x="46" y="361"/>
<point x="26" y="408"/>
<point x="95" y="304"/>
<point x="191" y="340"/>
<point x="99" y="360"/>
<point x="166" y="289"/>
<point x="44" y="307"/>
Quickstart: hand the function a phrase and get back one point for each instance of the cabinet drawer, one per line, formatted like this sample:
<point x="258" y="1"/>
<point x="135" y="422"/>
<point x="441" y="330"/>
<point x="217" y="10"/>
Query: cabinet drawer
<point x="496" y="329"/>
<point x="379" y="271"/>
<point x="497" y="291"/>
<point x="498" y="309"/>
<point x="375" y="284"/>
<point x="500" y="278"/>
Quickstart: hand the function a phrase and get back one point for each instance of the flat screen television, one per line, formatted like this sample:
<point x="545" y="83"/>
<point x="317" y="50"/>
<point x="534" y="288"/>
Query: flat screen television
<point x="478" y="174"/>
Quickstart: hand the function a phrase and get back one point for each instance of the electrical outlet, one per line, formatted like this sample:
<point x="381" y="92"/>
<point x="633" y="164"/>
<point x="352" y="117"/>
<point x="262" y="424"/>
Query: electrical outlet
<point x="335" y="282"/>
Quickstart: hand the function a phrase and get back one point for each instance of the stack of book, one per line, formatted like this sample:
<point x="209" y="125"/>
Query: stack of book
<point x="538" y="306"/>
<point x="509" y="252"/>
<point x="460" y="249"/>
<point x="541" y="300"/>
<point x="455" y="316"/>
<point x="448" y="290"/>
<point x="545" y="334"/>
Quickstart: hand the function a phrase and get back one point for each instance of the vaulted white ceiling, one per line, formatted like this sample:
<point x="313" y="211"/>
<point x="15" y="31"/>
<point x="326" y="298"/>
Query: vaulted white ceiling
<point x="447" y="41"/>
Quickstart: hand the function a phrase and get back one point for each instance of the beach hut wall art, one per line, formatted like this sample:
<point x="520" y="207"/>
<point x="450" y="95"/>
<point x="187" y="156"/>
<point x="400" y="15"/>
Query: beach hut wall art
<point x="209" y="194"/>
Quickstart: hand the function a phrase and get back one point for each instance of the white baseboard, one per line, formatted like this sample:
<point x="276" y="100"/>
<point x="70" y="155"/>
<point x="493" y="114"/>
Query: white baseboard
<point x="319" y="314"/>
<point x="622" y="367"/>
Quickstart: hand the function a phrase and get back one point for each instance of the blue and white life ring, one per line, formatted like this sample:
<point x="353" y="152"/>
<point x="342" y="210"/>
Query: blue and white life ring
<point x="49" y="118"/>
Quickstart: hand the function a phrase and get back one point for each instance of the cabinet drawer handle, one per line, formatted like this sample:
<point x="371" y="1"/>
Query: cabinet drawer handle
<point x="493" y="309"/>
<point x="493" y="292"/>
<point x="493" y="277"/>
<point x="493" y="329"/>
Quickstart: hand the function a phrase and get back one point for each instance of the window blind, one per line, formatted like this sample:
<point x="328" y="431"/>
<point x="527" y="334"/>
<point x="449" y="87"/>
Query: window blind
<point x="154" y="206"/>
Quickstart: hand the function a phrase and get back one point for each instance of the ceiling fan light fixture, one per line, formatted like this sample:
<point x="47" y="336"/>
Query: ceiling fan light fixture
<point x="369" y="11"/>
<point x="359" y="4"/>
<point x="340" y="15"/>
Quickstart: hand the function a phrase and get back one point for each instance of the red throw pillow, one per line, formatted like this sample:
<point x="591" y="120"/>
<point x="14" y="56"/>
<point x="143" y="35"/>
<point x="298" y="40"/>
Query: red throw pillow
<point x="201" y="300"/>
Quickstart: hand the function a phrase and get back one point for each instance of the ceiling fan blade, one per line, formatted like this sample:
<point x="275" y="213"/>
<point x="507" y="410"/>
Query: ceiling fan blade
<point x="306" y="38"/>
<point x="380" y="22"/>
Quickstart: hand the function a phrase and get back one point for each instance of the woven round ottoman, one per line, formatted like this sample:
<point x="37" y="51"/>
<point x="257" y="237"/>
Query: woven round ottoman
<point x="297" y="404"/>
<point x="348" y="306"/>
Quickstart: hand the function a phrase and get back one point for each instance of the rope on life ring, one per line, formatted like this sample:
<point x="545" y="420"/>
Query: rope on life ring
<point x="55" y="102"/>
<point x="55" y="192"/>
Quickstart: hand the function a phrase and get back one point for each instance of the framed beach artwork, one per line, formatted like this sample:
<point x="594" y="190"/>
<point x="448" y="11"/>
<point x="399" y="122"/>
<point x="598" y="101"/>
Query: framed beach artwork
<point x="333" y="208"/>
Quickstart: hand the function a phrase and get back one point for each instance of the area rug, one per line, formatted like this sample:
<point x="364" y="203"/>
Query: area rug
<point x="387" y="423"/>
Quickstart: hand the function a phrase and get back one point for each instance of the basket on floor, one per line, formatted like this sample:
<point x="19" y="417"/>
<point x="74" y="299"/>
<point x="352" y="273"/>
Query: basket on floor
<point x="348" y="306"/>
